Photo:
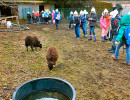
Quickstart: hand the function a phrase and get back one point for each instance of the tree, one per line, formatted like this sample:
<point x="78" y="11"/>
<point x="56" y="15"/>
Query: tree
<point x="70" y="3"/>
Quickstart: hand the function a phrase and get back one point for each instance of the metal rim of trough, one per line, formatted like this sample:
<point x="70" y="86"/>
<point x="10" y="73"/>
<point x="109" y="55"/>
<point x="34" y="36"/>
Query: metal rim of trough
<point x="55" y="78"/>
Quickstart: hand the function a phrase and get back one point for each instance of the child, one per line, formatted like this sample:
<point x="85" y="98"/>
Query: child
<point x="33" y="16"/>
<point x="42" y="17"/>
<point x="37" y="17"/>
<point x="49" y="17"/>
<point x="71" y="19"/>
<point x="77" y="25"/>
<point x="29" y="17"/>
<point x="53" y="13"/>
<point x="92" y="23"/>
<point x="83" y="23"/>
<point x="105" y="22"/>
<point x="115" y="24"/>
<point x="120" y="40"/>
<point x="86" y="15"/>
<point x="57" y="18"/>
<point x="46" y="15"/>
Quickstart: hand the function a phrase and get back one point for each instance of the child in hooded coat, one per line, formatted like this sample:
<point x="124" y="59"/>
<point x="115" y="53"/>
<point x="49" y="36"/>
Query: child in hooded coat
<point x="83" y="23"/>
<point x="37" y="17"/>
<point x="105" y="22"/>
<point x="29" y="17"/>
<point x="92" y="23"/>
<point x="53" y="13"/>
<point x="46" y="16"/>
<point x="86" y="15"/>
<point x="42" y="17"/>
<point x="33" y="16"/>
<point x="77" y="25"/>
<point x="57" y="18"/>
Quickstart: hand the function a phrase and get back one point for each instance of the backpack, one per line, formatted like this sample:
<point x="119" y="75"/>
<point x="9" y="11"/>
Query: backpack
<point x="46" y="14"/>
<point x="115" y="21"/>
<point x="58" y="17"/>
<point x="127" y="35"/>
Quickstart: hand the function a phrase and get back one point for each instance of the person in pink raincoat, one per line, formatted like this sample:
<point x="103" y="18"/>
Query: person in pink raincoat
<point x="105" y="22"/>
<point x="53" y="13"/>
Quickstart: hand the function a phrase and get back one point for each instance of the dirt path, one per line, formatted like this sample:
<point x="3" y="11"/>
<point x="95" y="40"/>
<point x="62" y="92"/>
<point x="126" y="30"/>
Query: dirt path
<point x="87" y="65"/>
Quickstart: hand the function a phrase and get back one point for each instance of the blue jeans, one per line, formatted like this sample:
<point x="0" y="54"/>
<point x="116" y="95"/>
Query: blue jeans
<point x="114" y="38"/>
<point x="57" y="22"/>
<point x="42" y="20"/>
<point x="29" y="20"/>
<point x="84" y="28"/>
<point x="92" y="30"/>
<point x="127" y="51"/>
<point x="33" y="20"/>
<point x="71" y="22"/>
<point x="77" y="31"/>
<point x="37" y="19"/>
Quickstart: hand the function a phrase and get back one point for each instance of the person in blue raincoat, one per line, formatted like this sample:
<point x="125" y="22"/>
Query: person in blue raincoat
<point x="83" y="23"/>
<point x="57" y="18"/>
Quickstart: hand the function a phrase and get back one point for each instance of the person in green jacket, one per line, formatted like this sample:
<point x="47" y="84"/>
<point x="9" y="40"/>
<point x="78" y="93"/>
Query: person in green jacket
<point x="120" y="41"/>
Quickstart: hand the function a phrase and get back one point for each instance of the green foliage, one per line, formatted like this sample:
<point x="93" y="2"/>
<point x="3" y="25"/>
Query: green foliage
<point x="100" y="6"/>
<point x="69" y="3"/>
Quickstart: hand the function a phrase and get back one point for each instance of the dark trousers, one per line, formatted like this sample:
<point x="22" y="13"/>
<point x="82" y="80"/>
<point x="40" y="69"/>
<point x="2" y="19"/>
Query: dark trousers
<point x="71" y="22"/>
<point x="57" y="22"/>
<point x="92" y="30"/>
<point x="29" y="20"/>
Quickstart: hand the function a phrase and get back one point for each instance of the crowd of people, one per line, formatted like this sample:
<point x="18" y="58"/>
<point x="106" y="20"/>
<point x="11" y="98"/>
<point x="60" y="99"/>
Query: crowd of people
<point x="44" y="17"/>
<point x="112" y="24"/>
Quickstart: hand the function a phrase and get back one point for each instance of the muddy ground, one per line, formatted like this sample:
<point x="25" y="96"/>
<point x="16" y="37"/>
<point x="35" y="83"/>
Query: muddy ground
<point x="87" y="65"/>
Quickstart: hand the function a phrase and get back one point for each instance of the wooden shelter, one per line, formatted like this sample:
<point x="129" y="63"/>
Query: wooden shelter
<point x="21" y="7"/>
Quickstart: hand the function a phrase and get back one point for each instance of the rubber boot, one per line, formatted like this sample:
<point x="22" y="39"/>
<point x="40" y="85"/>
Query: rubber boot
<point x="113" y="50"/>
<point x="90" y="38"/>
<point x="57" y="28"/>
<point x="94" y="38"/>
<point x="105" y="38"/>
<point x="85" y="36"/>
<point x="102" y="38"/>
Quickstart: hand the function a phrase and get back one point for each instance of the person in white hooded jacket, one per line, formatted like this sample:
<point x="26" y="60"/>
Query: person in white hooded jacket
<point x="115" y="21"/>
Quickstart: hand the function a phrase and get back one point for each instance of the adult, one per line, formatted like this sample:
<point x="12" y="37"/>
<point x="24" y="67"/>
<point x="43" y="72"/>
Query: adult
<point x="115" y="21"/>
<point x="120" y="40"/>
<point x="115" y="7"/>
